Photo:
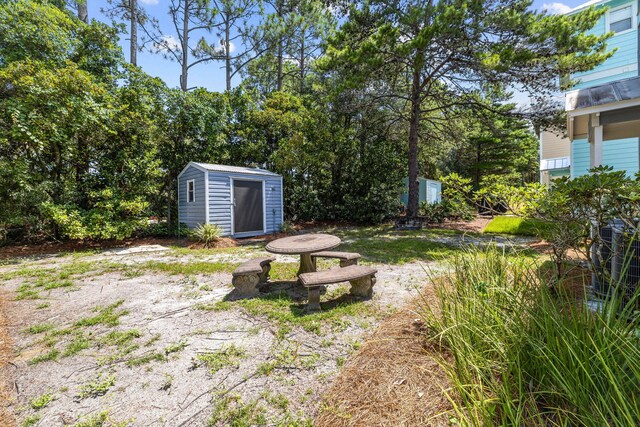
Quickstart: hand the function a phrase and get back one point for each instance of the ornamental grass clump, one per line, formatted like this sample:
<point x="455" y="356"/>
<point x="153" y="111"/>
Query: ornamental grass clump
<point x="527" y="354"/>
<point x="207" y="234"/>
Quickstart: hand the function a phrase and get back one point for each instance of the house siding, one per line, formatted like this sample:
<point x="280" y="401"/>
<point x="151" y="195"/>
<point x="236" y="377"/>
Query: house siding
<point x="580" y="159"/>
<point x="192" y="214"/>
<point x="621" y="154"/>
<point x="624" y="61"/>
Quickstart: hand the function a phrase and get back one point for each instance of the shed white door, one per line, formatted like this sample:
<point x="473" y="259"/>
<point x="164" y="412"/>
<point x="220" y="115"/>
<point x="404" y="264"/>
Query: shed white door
<point x="248" y="213"/>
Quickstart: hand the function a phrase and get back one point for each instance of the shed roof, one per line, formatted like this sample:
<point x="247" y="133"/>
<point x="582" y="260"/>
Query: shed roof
<point x="231" y="169"/>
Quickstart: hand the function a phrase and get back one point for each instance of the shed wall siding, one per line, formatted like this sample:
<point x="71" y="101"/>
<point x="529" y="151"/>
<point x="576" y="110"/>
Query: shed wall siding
<point x="191" y="214"/>
<point x="220" y="202"/>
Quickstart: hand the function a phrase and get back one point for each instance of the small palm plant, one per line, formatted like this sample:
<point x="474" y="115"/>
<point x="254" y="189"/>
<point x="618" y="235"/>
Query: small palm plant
<point x="207" y="234"/>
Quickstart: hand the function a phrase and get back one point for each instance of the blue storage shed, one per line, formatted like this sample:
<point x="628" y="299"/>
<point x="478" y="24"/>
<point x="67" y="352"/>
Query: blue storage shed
<point x="429" y="191"/>
<point x="243" y="202"/>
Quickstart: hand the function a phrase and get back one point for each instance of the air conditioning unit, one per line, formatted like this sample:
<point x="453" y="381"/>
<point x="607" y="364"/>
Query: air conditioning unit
<point x="625" y="266"/>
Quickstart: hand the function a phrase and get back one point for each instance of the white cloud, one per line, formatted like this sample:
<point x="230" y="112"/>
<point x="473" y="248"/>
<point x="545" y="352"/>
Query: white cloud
<point x="556" y="8"/>
<point x="166" y="44"/>
<point x="150" y="2"/>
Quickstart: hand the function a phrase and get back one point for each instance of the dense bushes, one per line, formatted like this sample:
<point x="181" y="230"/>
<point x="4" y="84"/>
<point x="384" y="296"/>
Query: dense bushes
<point x="525" y="356"/>
<point x="90" y="147"/>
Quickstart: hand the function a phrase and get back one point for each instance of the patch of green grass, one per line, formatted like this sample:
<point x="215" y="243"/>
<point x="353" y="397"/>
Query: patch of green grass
<point x="107" y="316"/>
<point x="25" y="291"/>
<point x="287" y="313"/>
<point x="79" y="343"/>
<point x="46" y="357"/>
<point x="43" y="305"/>
<point x="516" y="226"/>
<point x="175" y="347"/>
<point x="230" y="355"/>
<point x="120" y="338"/>
<point x="147" y="358"/>
<point x="232" y="411"/>
<point x="97" y="420"/>
<point x="189" y="268"/>
<point x="41" y="327"/>
<point x="42" y="401"/>
<point x="279" y="400"/>
<point x="31" y="420"/>
<point x="97" y="387"/>
<point x="132" y="273"/>
<point x="47" y="285"/>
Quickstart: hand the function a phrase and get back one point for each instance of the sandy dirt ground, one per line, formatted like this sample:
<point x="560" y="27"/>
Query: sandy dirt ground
<point x="160" y="311"/>
<point x="126" y="336"/>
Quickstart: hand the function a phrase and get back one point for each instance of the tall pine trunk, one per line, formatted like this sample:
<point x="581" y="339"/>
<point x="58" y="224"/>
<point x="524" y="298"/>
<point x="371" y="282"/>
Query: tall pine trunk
<point x="185" y="47"/>
<point x="83" y="11"/>
<point x="280" y="53"/>
<point x="414" y="130"/>
<point x="227" y="53"/>
<point x="302" y="64"/>
<point x="133" y="47"/>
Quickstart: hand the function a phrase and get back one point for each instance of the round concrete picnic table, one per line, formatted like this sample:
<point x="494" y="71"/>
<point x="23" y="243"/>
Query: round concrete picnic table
<point x="303" y="245"/>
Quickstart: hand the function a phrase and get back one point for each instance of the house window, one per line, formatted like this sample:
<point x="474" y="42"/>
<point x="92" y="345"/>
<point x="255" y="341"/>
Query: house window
<point x="621" y="19"/>
<point x="191" y="191"/>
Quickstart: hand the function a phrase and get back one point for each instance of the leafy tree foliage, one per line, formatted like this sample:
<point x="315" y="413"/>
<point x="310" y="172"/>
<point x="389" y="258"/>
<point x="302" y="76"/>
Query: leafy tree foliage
<point x="91" y="146"/>
<point x="434" y="56"/>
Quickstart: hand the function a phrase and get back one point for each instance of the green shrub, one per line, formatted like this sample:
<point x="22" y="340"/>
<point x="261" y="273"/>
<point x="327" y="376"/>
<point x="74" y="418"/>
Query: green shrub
<point x="111" y="217"/>
<point x="433" y="212"/>
<point x="287" y="227"/>
<point x="523" y="355"/>
<point x="207" y="234"/>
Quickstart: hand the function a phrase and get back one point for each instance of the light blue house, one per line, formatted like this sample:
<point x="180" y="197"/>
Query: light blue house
<point x="429" y="191"/>
<point x="603" y="110"/>
<point x="243" y="202"/>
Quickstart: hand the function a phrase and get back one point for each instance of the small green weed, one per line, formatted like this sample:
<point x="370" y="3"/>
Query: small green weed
<point x="107" y="316"/>
<point x="97" y="387"/>
<point x="227" y="356"/>
<point x="175" y="347"/>
<point x="146" y="358"/>
<point x="31" y="420"/>
<point x="42" y="401"/>
<point x="79" y="343"/>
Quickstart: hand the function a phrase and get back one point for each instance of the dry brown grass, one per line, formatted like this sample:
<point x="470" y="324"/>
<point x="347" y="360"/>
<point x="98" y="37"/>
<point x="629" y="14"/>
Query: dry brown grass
<point x="394" y="380"/>
<point x="6" y="384"/>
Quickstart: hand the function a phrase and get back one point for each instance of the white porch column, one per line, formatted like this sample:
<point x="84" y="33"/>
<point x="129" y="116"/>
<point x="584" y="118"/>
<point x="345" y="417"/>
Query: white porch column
<point x="595" y="146"/>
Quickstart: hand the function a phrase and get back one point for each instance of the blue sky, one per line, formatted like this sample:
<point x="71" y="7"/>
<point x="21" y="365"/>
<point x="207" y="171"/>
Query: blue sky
<point x="211" y="75"/>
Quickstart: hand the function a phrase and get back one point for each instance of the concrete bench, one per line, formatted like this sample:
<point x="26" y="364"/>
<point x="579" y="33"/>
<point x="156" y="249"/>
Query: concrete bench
<point x="250" y="275"/>
<point x="346" y="258"/>
<point x="362" y="279"/>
